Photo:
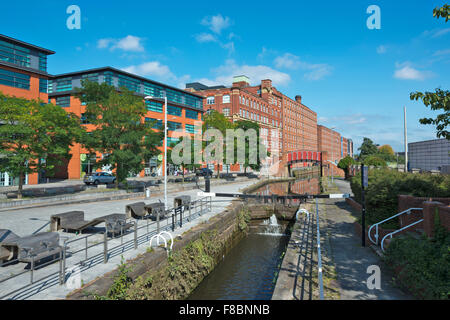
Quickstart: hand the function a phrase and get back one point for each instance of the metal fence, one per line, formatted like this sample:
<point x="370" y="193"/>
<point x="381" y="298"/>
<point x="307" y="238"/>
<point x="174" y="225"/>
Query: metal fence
<point x="142" y="230"/>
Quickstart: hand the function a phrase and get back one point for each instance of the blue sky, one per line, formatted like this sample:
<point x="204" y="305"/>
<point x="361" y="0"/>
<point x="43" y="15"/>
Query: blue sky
<point x="356" y="79"/>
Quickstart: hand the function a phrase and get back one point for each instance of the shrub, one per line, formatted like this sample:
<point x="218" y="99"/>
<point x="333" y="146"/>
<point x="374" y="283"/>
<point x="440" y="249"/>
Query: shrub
<point x="423" y="265"/>
<point x="386" y="185"/>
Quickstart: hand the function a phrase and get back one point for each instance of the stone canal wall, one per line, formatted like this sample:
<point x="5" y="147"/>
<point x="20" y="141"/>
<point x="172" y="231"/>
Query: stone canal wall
<point x="154" y="275"/>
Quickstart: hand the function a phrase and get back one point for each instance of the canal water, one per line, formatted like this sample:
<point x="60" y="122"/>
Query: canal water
<point x="249" y="271"/>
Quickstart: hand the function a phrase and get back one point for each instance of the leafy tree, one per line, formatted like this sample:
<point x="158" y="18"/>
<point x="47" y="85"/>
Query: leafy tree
<point x="216" y="120"/>
<point x="439" y="100"/>
<point x="374" y="160"/>
<point x="442" y="12"/>
<point x="125" y="142"/>
<point x="34" y="136"/>
<point x="345" y="164"/>
<point x="250" y="125"/>
<point x="386" y="153"/>
<point x="367" y="148"/>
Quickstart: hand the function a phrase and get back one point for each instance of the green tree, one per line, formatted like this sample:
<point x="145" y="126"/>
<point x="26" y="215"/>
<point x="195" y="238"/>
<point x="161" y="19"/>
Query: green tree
<point x="374" y="160"/>
<point x="120" y="135"/>
<point x="439" y="100"/>
<point x="386" y="153"/>
<point x="345" y="164"/>
<point x="250" y="125"/>
<point x="442" y="12"/>
<point x="34" y="136"/>
<point x="367" y="148"/>
<point x="216" y="120"/>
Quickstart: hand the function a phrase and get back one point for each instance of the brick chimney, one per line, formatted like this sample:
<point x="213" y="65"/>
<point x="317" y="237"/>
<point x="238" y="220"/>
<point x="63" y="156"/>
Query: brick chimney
<point x="298" y="99"/>
<point x="266" y="83"/>
<point x="241" y="81"/>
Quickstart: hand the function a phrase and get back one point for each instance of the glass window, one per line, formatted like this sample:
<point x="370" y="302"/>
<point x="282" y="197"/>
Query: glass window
<point x="226" y="98"/>
<point x="14" y="54"/>
<point x="43" y="85"/>
<point x="14" y="79"/>
<point x="63" y="101"/>
<point x="210" y="100"/>
<point x="191" y="114"/>
<point x="175" y="111"/>
<point x="154" y="106"/>
<point x="84" y="119"/>
<point x="157" y="123"/>
<point x="226" y="112"/>
<point x="172" y="126"/>
<point x="190" y="128"/>
<point x="171" y="140"/>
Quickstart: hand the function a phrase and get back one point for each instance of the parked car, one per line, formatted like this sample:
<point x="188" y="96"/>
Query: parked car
<point x="204" y="171"/>
<point x="99" y="177"/>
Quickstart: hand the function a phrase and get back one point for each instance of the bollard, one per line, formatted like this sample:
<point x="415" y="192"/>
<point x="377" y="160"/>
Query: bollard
<point x="32" y="270"/>
<point x="61" y="276"/>
<point x="105" y="247"/>
<point x="147" y="193"/>
<point x="181" y="218"/>
<point x="135" y="235"/>
<point x="157" y="222"/>
<point x="173" y="222"/>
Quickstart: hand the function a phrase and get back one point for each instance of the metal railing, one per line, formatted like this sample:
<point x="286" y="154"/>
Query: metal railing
<point x="408" y="211"/>
<point x="319" y="255"/>
<point x="195" y="209"/>
<point x="397" y="231"/>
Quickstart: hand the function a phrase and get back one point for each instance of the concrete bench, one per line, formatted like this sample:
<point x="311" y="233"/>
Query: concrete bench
<point x="135" y="210"/>
<point x="25" y="249"/>
<point x="153" y="209"/>
<point x="182" y="201"/>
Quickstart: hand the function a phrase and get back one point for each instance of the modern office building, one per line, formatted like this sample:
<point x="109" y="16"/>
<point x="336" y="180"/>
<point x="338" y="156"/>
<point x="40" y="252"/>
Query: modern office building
<point x="23" y="74"/>
<point x="429" y="155"/>
<point x="183" y="111"/>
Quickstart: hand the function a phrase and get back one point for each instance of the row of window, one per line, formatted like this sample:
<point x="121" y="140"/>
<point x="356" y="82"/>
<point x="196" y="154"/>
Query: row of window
<point x="14" y="79"/>
<point x="171" y="125"/>
<point x="212" y="100"/>
<point x="14" y="54"/>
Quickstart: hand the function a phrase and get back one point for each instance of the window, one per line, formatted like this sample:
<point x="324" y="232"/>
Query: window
<point x="190" y="128"/>
<point x="42" y="61"/>
<point x="63" y="101"/>
<point x="14" y="54"/>
<point x="43" y="85"/>
<point x="84" y="119"/>
<point x="174" y="111"/>
<point x="210" y="100"/>
<point x="91" y="77"/>
<point x="226" y="98"/>
<point x="60" y="85"/>
<point x="129" y="83"/>
<point x="172" y="126"/>
<point x="154" y="106"/>
<point x="14" y="79"/>
<point x="156" y="123"/>
<point x="191" y="114"/>
<point x="226" y="112"/>
<point x="171" y="140"/>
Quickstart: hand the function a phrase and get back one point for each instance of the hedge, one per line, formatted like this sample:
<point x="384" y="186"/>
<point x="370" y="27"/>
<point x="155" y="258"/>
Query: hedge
<point x="386" y="185"/>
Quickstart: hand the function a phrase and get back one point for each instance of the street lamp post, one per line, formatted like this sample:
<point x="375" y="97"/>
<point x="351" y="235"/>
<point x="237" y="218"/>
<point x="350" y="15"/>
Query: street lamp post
<point x="165" y="148"/>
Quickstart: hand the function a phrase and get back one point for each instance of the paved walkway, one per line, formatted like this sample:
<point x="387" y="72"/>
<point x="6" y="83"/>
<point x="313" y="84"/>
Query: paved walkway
<point x="350" y="258"/>
<point x="26" y="221"/>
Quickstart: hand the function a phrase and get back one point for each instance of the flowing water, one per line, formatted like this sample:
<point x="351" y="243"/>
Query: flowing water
<point x="249" y="271"/>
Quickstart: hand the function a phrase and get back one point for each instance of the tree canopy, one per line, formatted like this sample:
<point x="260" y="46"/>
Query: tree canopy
<point x="34" y="136"/>
<point x="119" y="133"/>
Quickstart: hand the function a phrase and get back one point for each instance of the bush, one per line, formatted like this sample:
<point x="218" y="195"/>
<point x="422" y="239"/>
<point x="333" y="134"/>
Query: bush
<point x="375" y="160"/>
<point x="423" y="264"/>
<point x="386" y="185"/>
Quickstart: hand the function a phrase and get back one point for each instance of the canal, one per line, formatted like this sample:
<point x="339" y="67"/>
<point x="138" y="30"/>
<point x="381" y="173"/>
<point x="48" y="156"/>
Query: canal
<point x="249" y="271"/>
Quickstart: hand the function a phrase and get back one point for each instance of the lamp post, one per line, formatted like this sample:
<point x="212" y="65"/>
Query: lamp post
<point x="165" y="147"/>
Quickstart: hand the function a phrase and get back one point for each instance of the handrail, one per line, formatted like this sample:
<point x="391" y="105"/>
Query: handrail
<point x="408" y="211"/>
<point x="396" y="231"/>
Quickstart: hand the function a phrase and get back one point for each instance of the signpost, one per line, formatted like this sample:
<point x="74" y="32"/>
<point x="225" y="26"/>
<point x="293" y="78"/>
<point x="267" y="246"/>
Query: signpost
<point x="364" y="184"/>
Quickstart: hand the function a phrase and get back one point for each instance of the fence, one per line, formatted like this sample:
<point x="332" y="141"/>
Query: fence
<point x="89" y="248"/>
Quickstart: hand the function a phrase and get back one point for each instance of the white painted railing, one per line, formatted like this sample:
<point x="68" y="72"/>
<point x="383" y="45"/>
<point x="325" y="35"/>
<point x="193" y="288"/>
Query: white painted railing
<point x="408" y="211"/>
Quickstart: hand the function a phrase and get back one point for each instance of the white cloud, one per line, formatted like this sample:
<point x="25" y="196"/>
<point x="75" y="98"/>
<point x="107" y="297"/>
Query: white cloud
<point x="129" y="43"/>
<point x="381" y="49"/>
<point x="442" y="52"/>
<point x="293" y="62"/>
<point x="226" y="72"/>
<point x="205" y="37"/>
<point x="406" y="72"/>
<point x="439" y="32"/>
<point x="216" y="23"/>
<point x="151" y="68"/>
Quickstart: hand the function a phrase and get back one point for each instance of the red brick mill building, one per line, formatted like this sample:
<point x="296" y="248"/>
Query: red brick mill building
<point x="287" y="126"/>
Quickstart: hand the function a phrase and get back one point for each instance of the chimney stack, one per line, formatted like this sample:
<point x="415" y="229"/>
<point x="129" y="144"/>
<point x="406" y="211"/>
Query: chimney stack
<point x="241" y="81"/>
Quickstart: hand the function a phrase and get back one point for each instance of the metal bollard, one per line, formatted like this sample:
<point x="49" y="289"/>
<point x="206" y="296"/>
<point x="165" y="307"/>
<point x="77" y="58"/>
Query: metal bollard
<point x="32" y="269"/>
<point x="61" y="276"/>
<point x="105" y="247"/>
<point x="135" y="235"/>
<point x="157" y="222"/>
<point x="173" y="222"/>
<point x="181" y="218"/>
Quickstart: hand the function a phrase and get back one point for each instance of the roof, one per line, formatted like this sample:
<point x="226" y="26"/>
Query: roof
<point x="124" y="73"/>
<point x="25" y="44"/>
<point x="31" y="70"/>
